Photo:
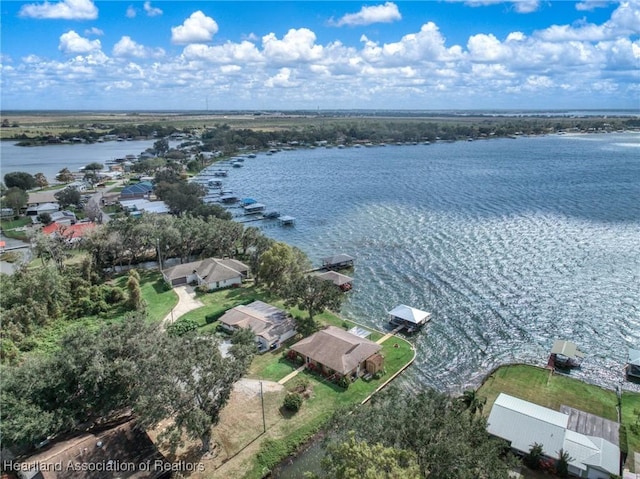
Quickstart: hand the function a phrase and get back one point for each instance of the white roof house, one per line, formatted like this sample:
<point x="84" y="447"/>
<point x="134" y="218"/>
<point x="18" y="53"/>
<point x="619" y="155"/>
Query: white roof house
<point x="410" y="314"/>
<point x="523" y="423"/>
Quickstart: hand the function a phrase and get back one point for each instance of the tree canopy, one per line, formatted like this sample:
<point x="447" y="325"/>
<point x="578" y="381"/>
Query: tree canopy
<point x="447" y="440"/>
<point x="20" y="179"/>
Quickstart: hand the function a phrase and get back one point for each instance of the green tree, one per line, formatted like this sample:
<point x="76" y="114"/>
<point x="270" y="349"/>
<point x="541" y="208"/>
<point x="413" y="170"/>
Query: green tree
<point x="68" y="197"/>
<point x="281" y="265"/>
<point x="64" y="176"/>
<point x="314" y="295"/>
<point x="45" y="218"/>
<point x="444" y="445"/>
<point x="20" y="179"/>
<point x="562" y="463"/>
<point x="136" y="302"/>
<point x="161" y="146"/>
<point x="194" y="386"/>
<point x="354" y="459"/>
<point x="472" y="401"/>
<point x="16" y="199"/>
<point x="182" y="326"/>
<point x="41" y="180"/>
<point x="533" y="458"/>
<point x="292" y="401"/>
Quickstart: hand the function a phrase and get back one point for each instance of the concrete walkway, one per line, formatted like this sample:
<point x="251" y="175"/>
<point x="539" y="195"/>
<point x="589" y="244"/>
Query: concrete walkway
<point x="291" y="375"/>
<point x="186" y="302"/>
<point x="388" y="335"/>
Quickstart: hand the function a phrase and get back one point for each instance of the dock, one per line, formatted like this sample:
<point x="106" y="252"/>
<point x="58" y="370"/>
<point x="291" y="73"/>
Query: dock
<point x="338" y="261"/>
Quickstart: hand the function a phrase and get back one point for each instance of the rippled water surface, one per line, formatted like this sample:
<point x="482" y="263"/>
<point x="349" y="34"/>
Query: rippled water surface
<point x="510" y="243"/>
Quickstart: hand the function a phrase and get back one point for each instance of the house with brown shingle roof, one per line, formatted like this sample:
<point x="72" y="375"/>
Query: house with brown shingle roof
<point x="213" y="272"/>
<point x="336" y="351"/>
<point x="272" y="326"/>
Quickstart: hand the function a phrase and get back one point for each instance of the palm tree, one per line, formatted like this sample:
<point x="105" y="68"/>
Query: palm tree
<point x="562" y="464"/>
<point x="472" y="401"/>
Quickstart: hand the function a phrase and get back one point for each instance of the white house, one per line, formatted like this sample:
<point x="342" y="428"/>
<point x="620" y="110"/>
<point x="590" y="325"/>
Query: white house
<point x="523" y="423"/>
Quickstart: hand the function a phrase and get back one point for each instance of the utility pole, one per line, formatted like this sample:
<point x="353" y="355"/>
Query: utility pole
<point x="264" y="421"/>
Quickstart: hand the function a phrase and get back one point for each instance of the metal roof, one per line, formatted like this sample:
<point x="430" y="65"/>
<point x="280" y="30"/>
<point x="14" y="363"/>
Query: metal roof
<point x="410" y="314"/>
<point x="524" y="423"/>
<point x="566" y="348"/>
<point x="634" y="357"/>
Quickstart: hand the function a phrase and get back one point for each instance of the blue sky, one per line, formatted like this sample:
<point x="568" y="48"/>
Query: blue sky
<point x="476" y="54"/>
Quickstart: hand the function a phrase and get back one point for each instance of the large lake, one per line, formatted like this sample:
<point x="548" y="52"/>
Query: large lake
<point x="510" y="243"/>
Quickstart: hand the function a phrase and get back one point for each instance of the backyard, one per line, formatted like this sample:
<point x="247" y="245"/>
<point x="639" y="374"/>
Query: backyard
<point x="243" y="448"/>
<point x="540" y="386"/>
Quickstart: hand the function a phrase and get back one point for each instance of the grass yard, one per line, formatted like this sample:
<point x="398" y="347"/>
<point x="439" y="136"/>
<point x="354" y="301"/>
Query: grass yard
<point x="552" y="390"/>
<point x="15" y="229"/>
<point x="631" y="420"/>
<point x="537" y="385"/>
<point x="159" y="300"/>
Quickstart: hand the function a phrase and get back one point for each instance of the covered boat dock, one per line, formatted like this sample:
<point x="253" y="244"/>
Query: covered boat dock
<point x="342" y="281"/>
<point x="633" y="364"/>
<point x="338" y="261"/>
<point x="408" y="318"/>
<point x="565" y="355"/>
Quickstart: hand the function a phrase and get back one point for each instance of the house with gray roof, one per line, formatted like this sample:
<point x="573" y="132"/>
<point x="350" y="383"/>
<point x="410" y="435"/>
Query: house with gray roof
<point x="523" y="423"/>
<point x="136" y="190"/>
<point x="336" y="351"/>
<point x="271" y="326"/>
<point x="213" y="272"/>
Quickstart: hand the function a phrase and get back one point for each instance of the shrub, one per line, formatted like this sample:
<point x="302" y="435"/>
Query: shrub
<point x="202" y="289"/>
<point x="292" y="402"/>
<point x="181" y="327"/>
<point x="345" y="325"/>
<point x="344" y="382"/>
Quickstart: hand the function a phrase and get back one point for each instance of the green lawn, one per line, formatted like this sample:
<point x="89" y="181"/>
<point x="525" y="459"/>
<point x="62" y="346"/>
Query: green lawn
<point x="539" y="386"/>
<point x="9" y="227"/>
<point x="159" y="300"/>
<point x="630" y="403"/>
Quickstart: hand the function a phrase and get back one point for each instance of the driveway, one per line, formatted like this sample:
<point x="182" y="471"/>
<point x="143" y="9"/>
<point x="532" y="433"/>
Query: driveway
<point x="186" y="302"/>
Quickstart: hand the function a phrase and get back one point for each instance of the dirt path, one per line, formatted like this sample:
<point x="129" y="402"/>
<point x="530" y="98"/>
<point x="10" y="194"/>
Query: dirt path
<point x="186" y="302"/>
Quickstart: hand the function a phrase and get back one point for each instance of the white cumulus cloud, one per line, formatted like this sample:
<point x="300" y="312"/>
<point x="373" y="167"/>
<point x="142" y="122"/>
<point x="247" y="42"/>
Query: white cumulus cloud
<point x="66" y="10"/>
<point x="126" y="47"/>
<point x="368" y="15"/>
<point x="198" y="28"/>
<point x="71" y="42"/>
<point x="131" y="12"/>
<point x="296" y="45"/>
<point x="151" y="11"/>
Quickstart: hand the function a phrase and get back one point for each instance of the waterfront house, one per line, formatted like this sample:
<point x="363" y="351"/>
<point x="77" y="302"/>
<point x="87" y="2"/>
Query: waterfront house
<point x="342" y="281"/>
<point x="212" y="272"/>
<point x="334" y="351"/>
<point x="41" y="197"/>
<point x="271" y="326"/>
<point x="338" y="261"/>
<point x="122" y="451"/>
<point x="591" y="441"/>
<point x="633" y="364"/>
